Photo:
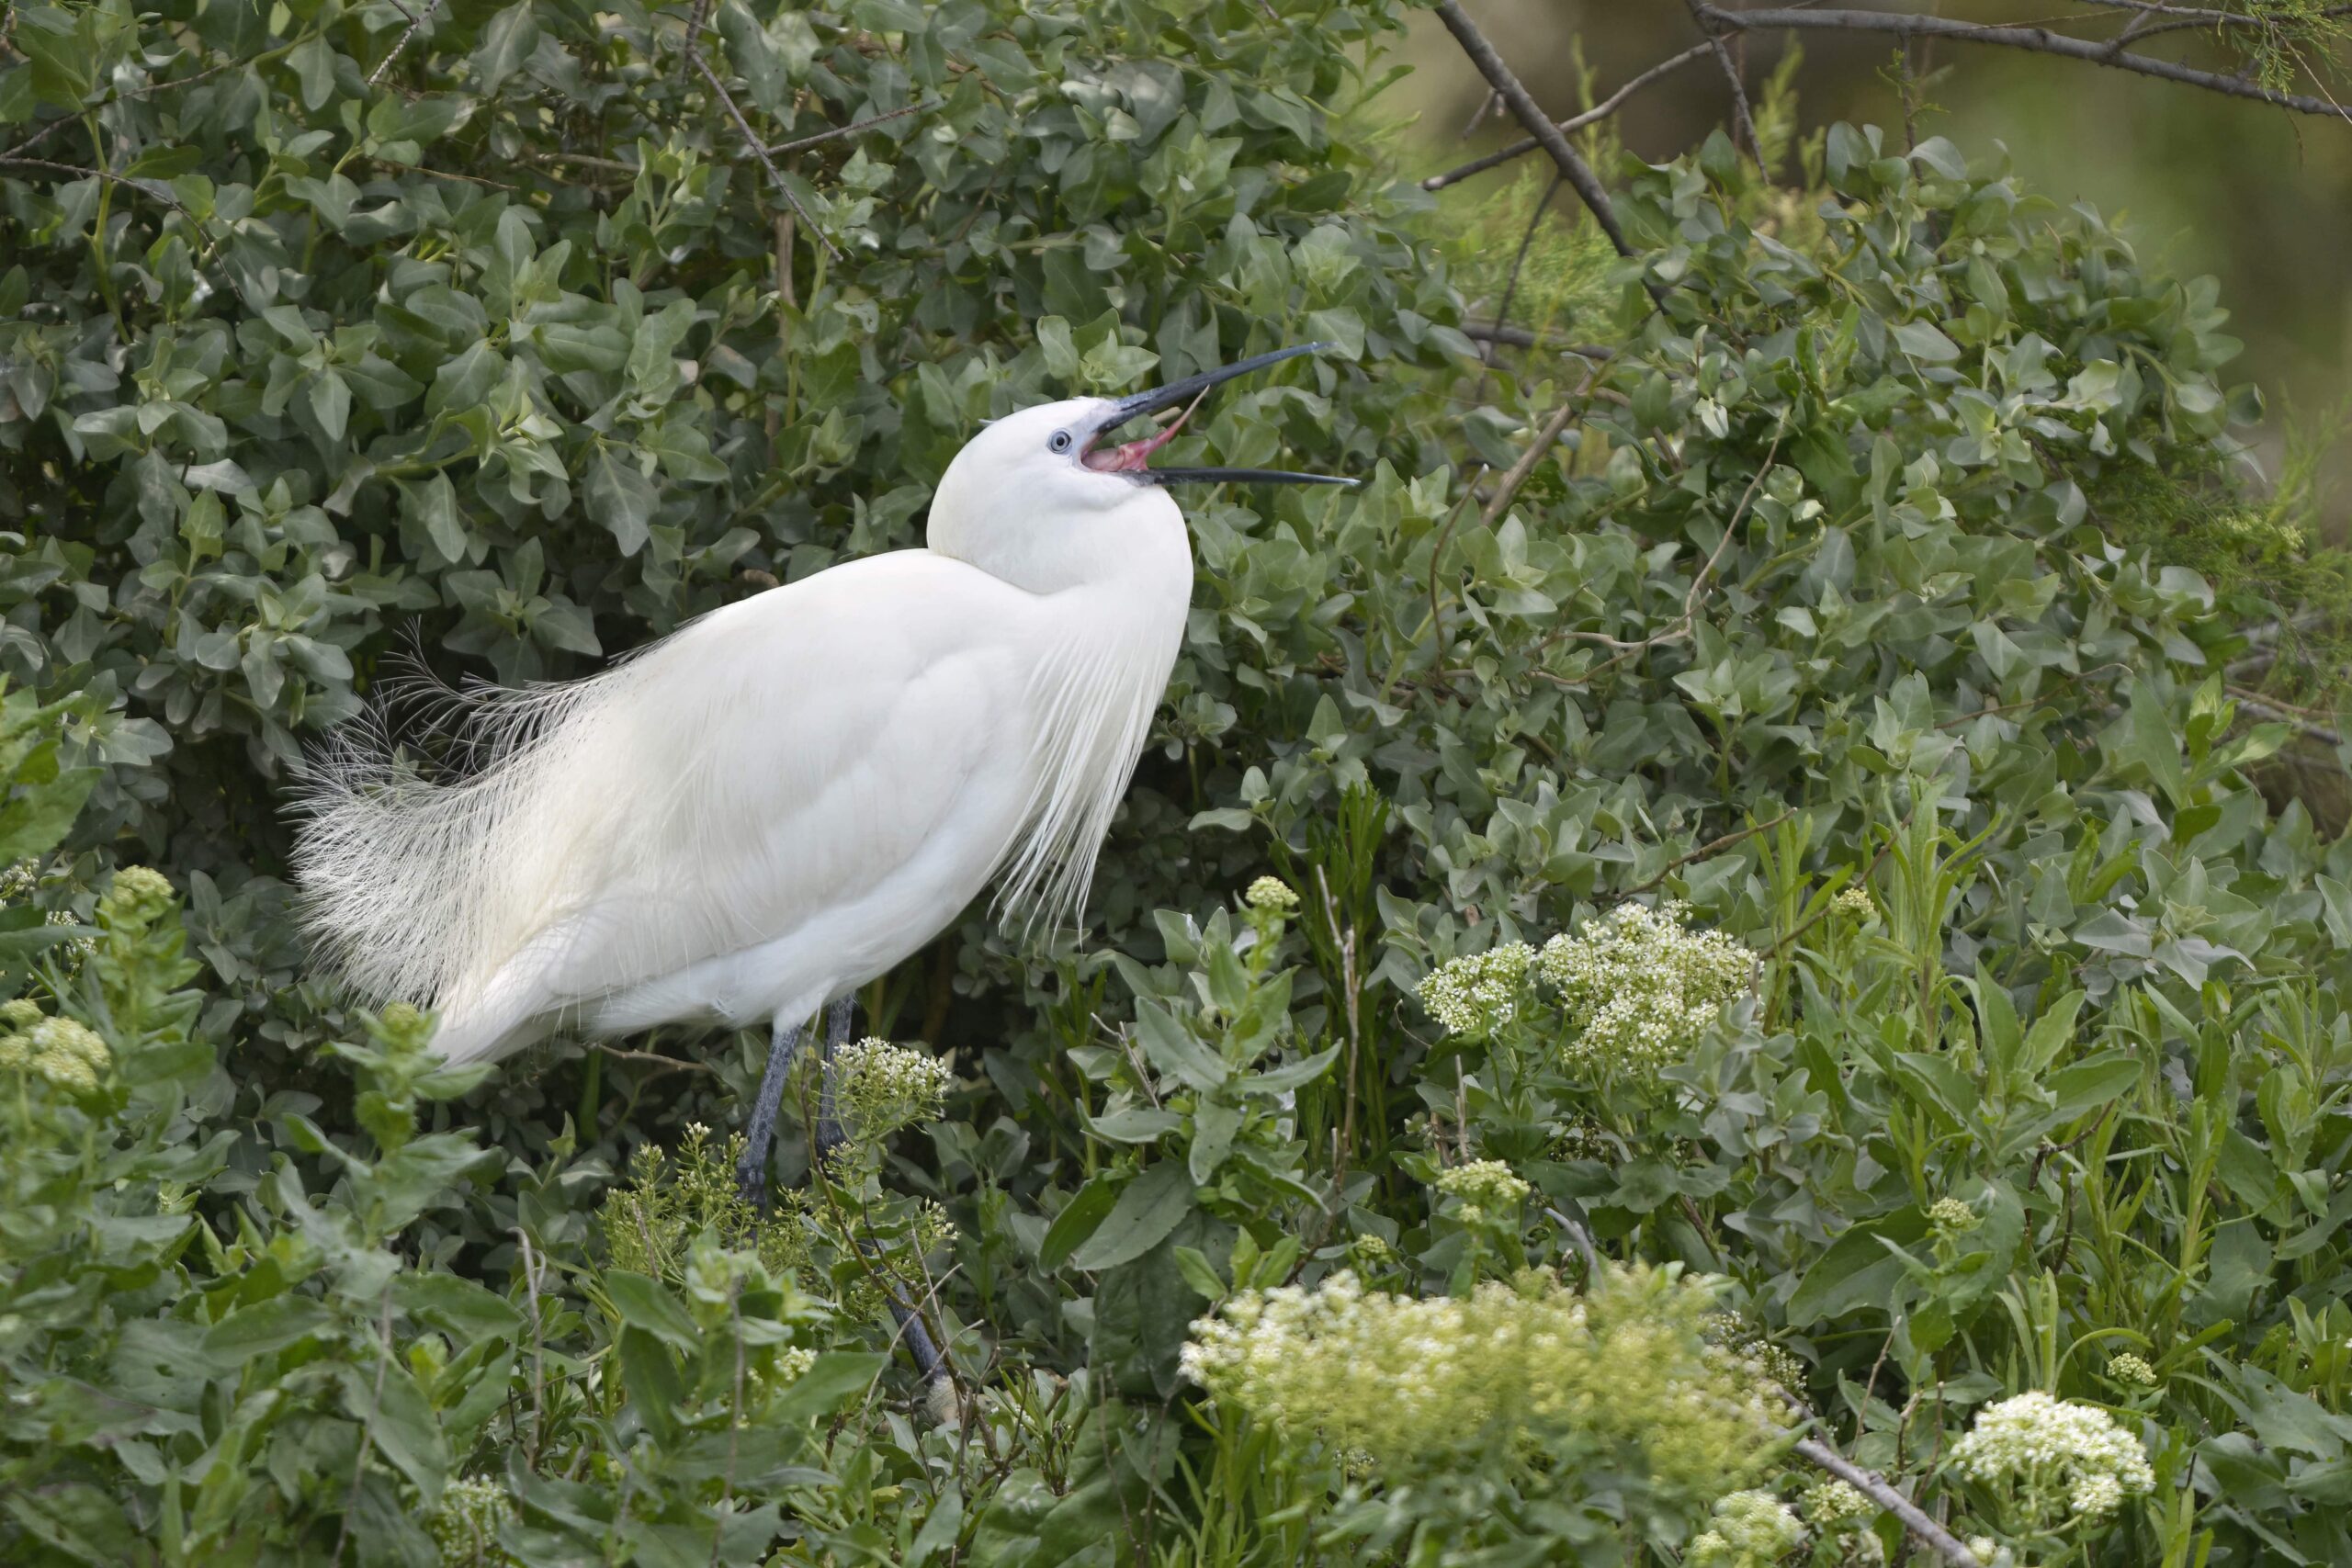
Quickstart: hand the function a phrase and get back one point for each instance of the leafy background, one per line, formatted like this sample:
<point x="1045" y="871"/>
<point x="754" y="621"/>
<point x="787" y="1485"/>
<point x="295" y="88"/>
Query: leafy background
<point x="1906" y="547"/>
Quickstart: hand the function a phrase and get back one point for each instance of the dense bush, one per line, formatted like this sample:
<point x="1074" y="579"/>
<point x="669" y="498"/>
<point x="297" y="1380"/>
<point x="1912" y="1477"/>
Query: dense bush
<point x="1772" y="899"/>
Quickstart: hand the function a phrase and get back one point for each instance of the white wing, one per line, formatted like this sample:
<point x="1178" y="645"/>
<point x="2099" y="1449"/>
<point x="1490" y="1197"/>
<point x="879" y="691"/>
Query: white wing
<point x="762" y="766"/>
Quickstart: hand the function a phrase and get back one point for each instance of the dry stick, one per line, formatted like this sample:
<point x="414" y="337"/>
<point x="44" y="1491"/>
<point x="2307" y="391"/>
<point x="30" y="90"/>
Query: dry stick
<point x="1524" y="108"/>
<point x="1923" y="1529"/>
<point x="2037" y="40"/>
<point x="1519" y="337"/>
<point x="2318" y="732"/>
<point x="1743" y="123"/>
<point x="659" y="1063"/>
<point x="413" y="23"/>
<point x="694" y="54"/>
<point x="1712" y="846"/>
<point x="1592" y="116"/>
<point x="1517" y="475"/>
<point x="1519" y="262"/>
<point x="869" y="123"/>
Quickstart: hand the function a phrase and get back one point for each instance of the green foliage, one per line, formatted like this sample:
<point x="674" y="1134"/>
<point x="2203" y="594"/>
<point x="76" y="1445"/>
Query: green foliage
<point x="1874" y="607"/>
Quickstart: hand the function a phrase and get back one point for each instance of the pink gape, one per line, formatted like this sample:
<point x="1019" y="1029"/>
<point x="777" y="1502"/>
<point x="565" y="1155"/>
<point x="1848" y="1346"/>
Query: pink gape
<point x="1135" y="455"/>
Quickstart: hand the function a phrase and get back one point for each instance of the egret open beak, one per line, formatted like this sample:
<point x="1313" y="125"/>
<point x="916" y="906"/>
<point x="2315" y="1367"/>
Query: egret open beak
<point x="1131" y="458"/>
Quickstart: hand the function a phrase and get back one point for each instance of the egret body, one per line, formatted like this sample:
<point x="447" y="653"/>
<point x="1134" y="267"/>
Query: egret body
<point x="789" y="796"/>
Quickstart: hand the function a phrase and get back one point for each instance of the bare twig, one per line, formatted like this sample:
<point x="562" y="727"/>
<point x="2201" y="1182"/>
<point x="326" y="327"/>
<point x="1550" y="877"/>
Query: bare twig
<point x="1592" y="116"/>
<point x="2287" y="716"/>
<point x="1537" y="449"/>
<point x="2035" y="39"/>
<point x="1519" y="337"/>
<point x="1712" y="846"/>
<point x="1526" y="244"/>
<point x="758" y="149"/>
<point x="659" y="1063"/>
<point x="866" y="124"/>
<point x="1522" y="106"/>
<point x="414" y="22"/>
<point x="1743" y="123"/>
<point x="1922" y="1529"/>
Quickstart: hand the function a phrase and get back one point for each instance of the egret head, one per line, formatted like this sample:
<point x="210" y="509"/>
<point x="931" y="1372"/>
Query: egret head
<point x="1040" y="495"/>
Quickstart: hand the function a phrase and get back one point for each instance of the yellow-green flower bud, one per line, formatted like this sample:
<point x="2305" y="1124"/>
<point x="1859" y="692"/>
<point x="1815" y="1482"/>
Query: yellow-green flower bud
<point x="62" y="1037"/>
<point x="1271" y="892"/>
<point x="137" y="895"/>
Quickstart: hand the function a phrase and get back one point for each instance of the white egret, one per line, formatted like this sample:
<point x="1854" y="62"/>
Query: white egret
<point x="791" y="795"/>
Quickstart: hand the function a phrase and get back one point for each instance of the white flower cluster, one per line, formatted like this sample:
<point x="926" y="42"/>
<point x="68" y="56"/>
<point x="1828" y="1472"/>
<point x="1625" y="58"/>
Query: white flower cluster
<point x="1855" y="903"/>
<point x="885" y="1087"/>
<point x="1486" y="1187"/>
<point x="2129" y="1368"/>
<point x="465" y="1525"/>
<point x="1271" y="892"/>
<point x="1412" y="1382"/>
<point x="2049" y="1451"/>
<point x="67" y="1054"/>
<point x="1638" y="987"/>
<point x="1750" y="1529"/>
<point x="1478" y="993"/>
<point x="1831" y="1505"/>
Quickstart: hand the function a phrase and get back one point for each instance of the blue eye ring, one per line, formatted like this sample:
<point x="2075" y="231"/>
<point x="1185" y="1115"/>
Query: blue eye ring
<point x="1060" y="442"/>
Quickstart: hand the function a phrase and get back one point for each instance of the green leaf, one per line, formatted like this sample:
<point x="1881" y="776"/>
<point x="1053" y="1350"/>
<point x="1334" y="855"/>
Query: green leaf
<point x="834" y="1379"/>
<point x="265" y="1327"/>
<point x="1086" y="1210"/>
<point x="506" y="42"/>
<point x="621" y="500"/>
<point x="647" y="1303"/>
<point x="1856" y="1272"/>
<point x="1173" y="1049"/>
<point x="1149" y="1208"/>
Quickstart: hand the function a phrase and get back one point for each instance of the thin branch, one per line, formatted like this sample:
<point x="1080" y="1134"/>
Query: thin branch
<point x="2287" y="716"/>
<point x="783" y="147"/>
<point x="1592" y="116"/>
<point x="1922" y="1529"/>
<point x="1519" y="262"/>
<point x="1704" y="851"/>
<point x="759" y="149"/>
<point x="1519" y="337"/>
<point x="1537" y="449"/>
<point x="413" y="23"/>
<point x="2033" y="39"/>
<point x="1524" y="107"/>
<point x="660" y="1063"/>
<point x="1743" y="123"/>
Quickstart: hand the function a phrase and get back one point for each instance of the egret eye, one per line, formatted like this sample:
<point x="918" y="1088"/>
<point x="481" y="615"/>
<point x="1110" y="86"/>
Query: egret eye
<point x="1060" y="443"/>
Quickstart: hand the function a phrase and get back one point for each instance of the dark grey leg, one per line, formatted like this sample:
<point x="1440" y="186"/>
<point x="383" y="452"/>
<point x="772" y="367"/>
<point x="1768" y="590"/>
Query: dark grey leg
<point x="910" y="1323"/>
<point x="752" y="1171"/>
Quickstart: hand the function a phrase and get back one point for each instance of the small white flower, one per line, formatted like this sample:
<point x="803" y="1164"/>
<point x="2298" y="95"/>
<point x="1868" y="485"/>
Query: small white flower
<point x="1751" y="1528"/>
<point x="1637" y="988"/>
<point x="1478" y="993"/>
<point x="2044" y="1447"/>
<point x="885" y="1087"/>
